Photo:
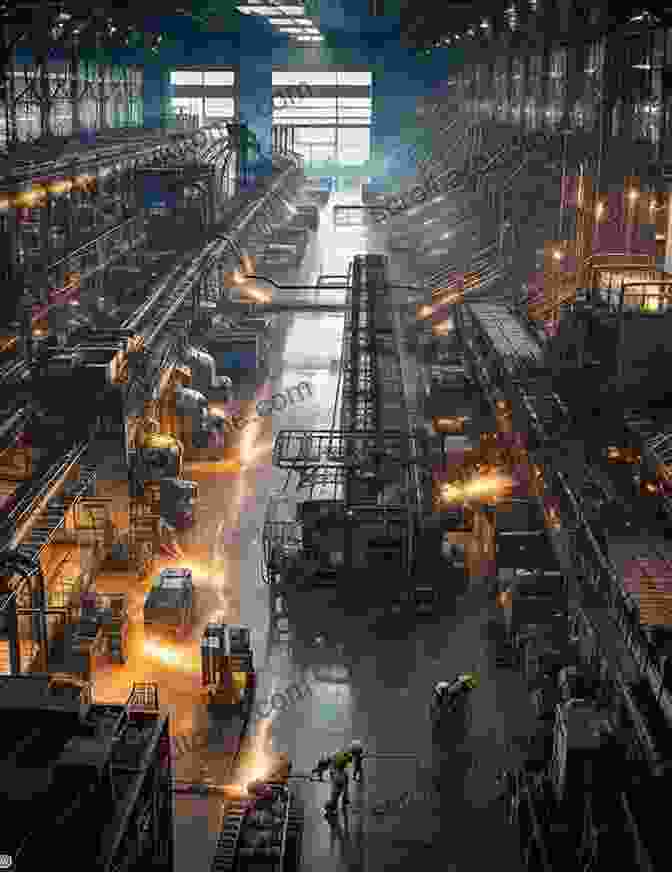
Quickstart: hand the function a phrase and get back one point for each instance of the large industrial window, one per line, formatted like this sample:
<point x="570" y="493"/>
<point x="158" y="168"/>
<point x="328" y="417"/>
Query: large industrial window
<point x="324" y="115"/>
<point x="211" y="95"/>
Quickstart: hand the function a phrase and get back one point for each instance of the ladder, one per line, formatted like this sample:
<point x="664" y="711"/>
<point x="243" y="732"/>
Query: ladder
<point x="52" y="517"/>
<point x="144" y="695"/>
<point x="144" y="535"/>
<point x="226" y="852"/>
<point x="97" y="511"/>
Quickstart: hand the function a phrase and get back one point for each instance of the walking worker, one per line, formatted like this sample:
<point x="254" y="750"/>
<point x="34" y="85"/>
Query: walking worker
<point x="447" y="694"/>
<point x="339" y="781"/>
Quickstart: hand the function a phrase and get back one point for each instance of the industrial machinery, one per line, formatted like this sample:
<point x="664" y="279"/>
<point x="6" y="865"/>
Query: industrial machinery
<point x="293" y="234"/>
<point x="114" y="619"/>
<point x="310" y="214"/>
<point x="169" y="604"/>
<point x="227" y="666"/>
<point x="281" y="254"/>
<point x="99" y="635"/>
<point x="262" y="829"/>
<point x="177" y="502"/>
<point x="573" y="809"/>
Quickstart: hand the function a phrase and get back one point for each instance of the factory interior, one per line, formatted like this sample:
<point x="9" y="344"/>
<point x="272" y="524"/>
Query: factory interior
<point x="417" y="227"/>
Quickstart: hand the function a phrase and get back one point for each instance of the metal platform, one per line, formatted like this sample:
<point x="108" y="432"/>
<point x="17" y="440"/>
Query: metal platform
<point x="356" y="215"/>
<point x="246" y="842"/>
<point x="296" y="449"/>
<point x="516" y="349"/>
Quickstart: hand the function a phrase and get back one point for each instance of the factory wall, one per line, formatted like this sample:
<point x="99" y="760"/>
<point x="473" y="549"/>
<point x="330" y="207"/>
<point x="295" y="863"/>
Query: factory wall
<point x="400" y="75"/>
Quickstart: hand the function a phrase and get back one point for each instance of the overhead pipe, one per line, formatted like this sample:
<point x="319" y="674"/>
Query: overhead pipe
<point x="192" y="268"/>
<point x="32" y="504"/>
<point x="62" y="166"/>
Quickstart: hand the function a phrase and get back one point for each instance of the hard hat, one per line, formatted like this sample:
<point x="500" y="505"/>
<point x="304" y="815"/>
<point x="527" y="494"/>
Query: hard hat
<point x="441" y="686"/>
<point x="356" y="746"/>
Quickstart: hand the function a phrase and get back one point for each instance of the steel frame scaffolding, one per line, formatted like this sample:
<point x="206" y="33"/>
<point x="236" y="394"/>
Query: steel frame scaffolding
<point x="348" y="467"/>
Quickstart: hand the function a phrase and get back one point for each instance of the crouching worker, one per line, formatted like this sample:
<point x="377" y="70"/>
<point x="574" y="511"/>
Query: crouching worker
<point x="339" y="782"/>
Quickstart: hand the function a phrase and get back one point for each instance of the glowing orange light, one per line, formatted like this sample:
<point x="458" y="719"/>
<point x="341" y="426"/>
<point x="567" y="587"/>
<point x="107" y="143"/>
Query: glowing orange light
<point x="62" y="186"/>
<point x="171" y="656"/>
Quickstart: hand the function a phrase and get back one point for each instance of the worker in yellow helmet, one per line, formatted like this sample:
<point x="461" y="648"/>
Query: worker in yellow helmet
<point x="339" y="781"/>
<point x="447" y="695"/>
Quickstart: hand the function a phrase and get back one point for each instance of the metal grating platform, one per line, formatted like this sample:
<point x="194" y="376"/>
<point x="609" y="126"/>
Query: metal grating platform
<point x="295" y="449"/>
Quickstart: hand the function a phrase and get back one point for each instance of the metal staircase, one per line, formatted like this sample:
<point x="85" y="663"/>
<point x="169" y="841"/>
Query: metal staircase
<point x="52" y="518"/>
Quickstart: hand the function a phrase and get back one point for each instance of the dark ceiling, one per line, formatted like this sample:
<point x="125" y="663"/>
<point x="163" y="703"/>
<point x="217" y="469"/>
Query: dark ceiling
<point x="424" y="21"/>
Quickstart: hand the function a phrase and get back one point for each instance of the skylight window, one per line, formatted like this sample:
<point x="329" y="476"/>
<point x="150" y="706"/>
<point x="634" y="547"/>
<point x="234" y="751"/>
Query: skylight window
<point x="283" y="18"/>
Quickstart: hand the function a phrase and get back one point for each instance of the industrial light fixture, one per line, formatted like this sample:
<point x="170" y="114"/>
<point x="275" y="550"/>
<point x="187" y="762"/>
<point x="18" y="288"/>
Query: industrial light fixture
<point x="284" y="18"/>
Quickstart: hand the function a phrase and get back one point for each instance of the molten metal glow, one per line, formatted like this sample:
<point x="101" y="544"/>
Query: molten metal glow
<point x="261" y="756"/>
<point x="170" y="656"/>
<point x="488" y="486"/>
<point x="504" y="599"/>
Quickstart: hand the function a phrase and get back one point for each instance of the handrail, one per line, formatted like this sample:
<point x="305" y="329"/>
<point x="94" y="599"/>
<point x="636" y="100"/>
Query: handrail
<point x="91" y="244"/>
<point x="149" y="141"/>
<point x="14" y="524"/>
<point x="186" y="269"/>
